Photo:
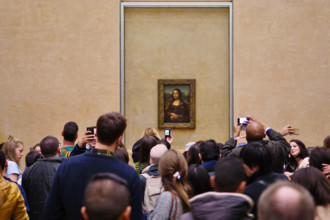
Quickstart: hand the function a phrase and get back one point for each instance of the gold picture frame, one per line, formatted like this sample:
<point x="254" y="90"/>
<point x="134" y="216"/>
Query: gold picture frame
<point x="176" y="103"/>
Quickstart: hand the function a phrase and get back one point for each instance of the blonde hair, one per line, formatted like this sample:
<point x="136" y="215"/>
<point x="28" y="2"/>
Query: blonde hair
<point x="150" y="131"/>
<point x="173" y="169"/>
<point x="9" y="148"/>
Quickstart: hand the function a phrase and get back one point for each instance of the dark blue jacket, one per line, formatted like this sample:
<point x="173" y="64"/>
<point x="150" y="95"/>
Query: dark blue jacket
<point x="66" y="195"/>
<point x="209" y="166"/>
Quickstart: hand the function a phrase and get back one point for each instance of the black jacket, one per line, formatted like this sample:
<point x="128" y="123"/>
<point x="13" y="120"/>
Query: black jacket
<point x="257" y="183"/>
<point x="37" y="181"/>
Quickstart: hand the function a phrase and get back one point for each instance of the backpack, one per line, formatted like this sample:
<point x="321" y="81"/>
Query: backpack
<point x="154" y="187"/>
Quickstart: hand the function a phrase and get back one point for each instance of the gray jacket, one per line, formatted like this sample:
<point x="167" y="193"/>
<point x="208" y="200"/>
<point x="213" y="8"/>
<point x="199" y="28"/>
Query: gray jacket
<point x="163" y="205"/>
<point x="219" y="206"/>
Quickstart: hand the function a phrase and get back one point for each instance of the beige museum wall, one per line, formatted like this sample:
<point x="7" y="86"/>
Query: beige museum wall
<point x="282" y="64"/>
<point x="59" y="61"/>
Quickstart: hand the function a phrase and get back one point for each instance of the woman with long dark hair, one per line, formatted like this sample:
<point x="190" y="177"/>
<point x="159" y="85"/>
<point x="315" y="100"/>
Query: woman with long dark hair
<point x="199" y="179"/>
<point x="298" y="157"/>
<point x="147" y="143"/>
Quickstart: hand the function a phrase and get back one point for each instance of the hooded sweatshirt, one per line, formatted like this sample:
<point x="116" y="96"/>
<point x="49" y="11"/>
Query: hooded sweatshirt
<point x="219" y="206"/>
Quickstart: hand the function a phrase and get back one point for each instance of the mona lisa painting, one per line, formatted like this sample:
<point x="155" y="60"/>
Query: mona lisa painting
<point x="176" y="103"/>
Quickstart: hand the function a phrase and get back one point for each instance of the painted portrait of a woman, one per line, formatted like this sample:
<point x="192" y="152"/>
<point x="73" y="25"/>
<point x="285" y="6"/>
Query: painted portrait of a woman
<point x="176" y="110"/>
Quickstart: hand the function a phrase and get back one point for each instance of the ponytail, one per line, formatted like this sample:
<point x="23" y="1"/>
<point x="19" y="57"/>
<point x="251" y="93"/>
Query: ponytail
<point x="173" y="169"/>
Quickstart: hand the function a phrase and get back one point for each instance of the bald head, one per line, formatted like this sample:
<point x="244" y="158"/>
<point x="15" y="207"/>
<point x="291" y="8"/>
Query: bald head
<point x="255" y="131"/>
<point x="285" y="200"/>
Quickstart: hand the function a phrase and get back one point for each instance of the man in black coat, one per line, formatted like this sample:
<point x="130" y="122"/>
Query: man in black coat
<point x="38" y="178"/>
<point x="257" y="162"/>
<point x="256" y="131"/>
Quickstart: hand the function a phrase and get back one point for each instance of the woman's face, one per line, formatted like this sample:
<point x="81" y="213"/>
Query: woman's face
<point x="19" y="151"/>
<point x="38" y="149"/>
<point x="175" y="94"/>
<point x="295" y="150"/>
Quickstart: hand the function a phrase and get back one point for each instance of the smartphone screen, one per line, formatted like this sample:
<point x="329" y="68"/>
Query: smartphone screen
<point x="243" y="120"/>
<point x="167" y="132"/>
<point x="296" y="131"/>
<point x="91" y="129"/>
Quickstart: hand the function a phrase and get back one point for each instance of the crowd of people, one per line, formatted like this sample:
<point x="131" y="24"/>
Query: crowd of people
<point x="264" y="177"/>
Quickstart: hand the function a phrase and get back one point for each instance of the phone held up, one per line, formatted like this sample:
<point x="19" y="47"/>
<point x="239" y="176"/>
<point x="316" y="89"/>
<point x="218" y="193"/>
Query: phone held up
<point x="296" y="131"/>
<point x="242" y="121"/>
<point x="167" y="132"/>
<point x="91" y="129"/>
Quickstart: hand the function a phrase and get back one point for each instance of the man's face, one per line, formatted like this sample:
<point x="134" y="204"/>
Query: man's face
<point x="175" y="94"/>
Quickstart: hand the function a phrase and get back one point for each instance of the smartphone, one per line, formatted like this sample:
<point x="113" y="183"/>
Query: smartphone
<point x="242" y="121"/>
<point x="91" y="129"/>
<point x="167" y="132"/>
<point x="296" y="131"/>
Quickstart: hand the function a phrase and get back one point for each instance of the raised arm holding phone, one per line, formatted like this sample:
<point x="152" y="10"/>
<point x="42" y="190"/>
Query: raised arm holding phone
<point x="256" y="130"/>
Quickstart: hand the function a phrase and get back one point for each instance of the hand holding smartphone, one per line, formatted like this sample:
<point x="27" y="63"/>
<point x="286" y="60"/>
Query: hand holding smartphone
<point x="92" y="130"/>
<point x="242" y="121"/>
<point x="90" y="136"/>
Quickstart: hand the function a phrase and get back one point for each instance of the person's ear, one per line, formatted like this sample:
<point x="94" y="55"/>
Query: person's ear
<point x="219" y="156"/>
<point x="255" y="169"/>
<point x="212" y="181"/>
<point x="62" y="133"/>
<point x="4" y="169"/>
<point x="126" y="214"/>
<point x="84" y="213"/>
<point x="240" y="188"/>
<point x="119" y="140"/>
<point x="59" y="151"/>
<point x="200" y="157"/>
